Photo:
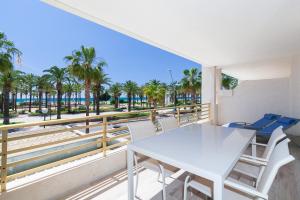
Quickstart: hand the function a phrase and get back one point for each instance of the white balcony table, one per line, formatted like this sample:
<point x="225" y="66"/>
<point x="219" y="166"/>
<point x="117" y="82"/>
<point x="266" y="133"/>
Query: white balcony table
<point x="204" y="150"/>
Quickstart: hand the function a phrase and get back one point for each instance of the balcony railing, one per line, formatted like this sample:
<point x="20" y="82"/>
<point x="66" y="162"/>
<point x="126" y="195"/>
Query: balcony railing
<point x="107" y="134"/>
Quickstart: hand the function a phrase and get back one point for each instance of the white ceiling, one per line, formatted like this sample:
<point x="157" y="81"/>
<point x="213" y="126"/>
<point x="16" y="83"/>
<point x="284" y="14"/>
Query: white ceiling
<point x="231" y="34"/>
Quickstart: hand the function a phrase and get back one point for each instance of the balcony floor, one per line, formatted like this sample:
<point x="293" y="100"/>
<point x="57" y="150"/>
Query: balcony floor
<point x="286" y="185"/>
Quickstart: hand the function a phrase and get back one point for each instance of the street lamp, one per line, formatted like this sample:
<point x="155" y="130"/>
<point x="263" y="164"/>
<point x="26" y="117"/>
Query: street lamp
<point x="44" y="111"/>
<point x="174" y="89"/>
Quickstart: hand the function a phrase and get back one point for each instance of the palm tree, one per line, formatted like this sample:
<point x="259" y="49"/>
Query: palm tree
<point x="81" y="66"/>
<point x="48" y="88"/>
<point x="155" y="92"/>
<point x="41" y="84"/>
<point x="99" y="78"/>
<point x="8" y="78"/>
<point x="77" y="90"/>
<point x="129" y="88"/>
<point x="69" y="88"/>
<point x="30" y="82"/>
<point x="20" y="86"/>
<point x="140" y="93"/>
<point x="191" y="82"/>
<point x="16" y="87"/>
<point x="7" y="53"/>
<point x="57" y="76"/>
<point x="116" y="91"/>
<point x="134" y="93"/>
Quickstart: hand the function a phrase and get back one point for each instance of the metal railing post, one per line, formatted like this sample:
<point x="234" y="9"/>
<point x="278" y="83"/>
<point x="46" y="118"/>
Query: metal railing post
<point x="4" y="160"/>
<point x="104" y="144"/>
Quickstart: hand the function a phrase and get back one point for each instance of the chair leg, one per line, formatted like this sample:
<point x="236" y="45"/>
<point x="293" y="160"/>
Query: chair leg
<point x="137" y="176"/>
<point x="158" y="176"/>
<point x="162" y="170"/>
<point x="185" y="187"/>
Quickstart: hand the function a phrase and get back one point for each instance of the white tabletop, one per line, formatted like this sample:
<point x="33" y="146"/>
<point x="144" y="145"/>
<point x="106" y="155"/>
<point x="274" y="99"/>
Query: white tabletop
<point x="205" y="150"/>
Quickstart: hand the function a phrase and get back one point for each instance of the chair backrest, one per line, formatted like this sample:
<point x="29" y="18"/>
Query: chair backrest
<point x="168" y="123"/>
<point x="277" y="135"/>
<point x="279" y="157"/>
<point x="140" y="130"/>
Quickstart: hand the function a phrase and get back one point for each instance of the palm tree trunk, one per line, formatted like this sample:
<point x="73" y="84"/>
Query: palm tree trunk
<point x="133" y="100"/>
<point x="53" y="99"/>
<point x="141" y="100"/>
<point x="16" y="100"/>
<point x="59" y="98"/>
<point x="65" y="100"/>
<point x="98" y="101"/>
<point x="76" y="99"/>
<point x="40" y="100"/>
<point x="129" y="102"/>
<point x="46" y="99"/>
<point x="193" y="96"/>
<point x="94" y="100"/>
<point x="87" y="102"/>
<point x="155" y="104"/>
<point x="30" y="99"/>
<point x="80" y="98"/>
<point x="21" y="99"/>
<point x="26" y="99"/>
<point x="69" y="102"/>
<point x="13" y="101"/>
<point x="116" y="101"/>
<point x="6" y="104"/>
<point x="1" y="102"/>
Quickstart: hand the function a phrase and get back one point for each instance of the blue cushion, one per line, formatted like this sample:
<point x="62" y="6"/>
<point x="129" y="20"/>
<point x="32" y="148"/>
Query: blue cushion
<point x="267" y="131"/>
<point x="286" y="120"/>
<point x="236" y="125"/>
<point x="271" y="116"/>
<point x="260" y="124"/>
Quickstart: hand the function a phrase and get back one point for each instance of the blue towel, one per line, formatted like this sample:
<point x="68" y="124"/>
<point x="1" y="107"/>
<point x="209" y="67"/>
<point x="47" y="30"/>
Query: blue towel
<point x="237" y="125"/>
<point x="261" y="123"/>
<point x="285" y="122"/>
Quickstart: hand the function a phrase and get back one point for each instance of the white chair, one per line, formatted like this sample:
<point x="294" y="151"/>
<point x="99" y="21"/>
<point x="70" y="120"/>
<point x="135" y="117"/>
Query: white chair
<point x="239" y="191"/>
<point x="248" y="164"/>
<point x="168" y="123"/>
<point x="141" y="130"/>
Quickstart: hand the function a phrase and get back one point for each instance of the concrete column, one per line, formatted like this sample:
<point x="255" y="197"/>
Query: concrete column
<point x="211" y="84"/>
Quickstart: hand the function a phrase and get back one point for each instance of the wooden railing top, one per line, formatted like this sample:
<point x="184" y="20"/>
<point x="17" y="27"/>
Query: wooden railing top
<point x="78" y="119"/>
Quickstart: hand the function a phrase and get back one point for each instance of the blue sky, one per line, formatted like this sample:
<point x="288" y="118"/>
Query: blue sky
<point x="46" y="34"/>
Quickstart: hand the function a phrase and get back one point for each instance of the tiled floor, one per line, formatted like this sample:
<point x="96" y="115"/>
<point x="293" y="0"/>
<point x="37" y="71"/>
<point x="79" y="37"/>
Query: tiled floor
<point x="285" y="187"/>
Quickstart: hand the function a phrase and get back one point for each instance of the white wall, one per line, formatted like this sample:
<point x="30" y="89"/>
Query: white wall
<point x="295" y="88"/>
<point x="252" y="99"/>
<point x="66" y="182"/>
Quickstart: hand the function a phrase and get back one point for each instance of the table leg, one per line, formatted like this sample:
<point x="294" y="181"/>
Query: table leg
<point x="130" y="174"/>
<point x="253" y="147"/>
<point x="218" y="189"/>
